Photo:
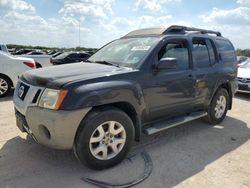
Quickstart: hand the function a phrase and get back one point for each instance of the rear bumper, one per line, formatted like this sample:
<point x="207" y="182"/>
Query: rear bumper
<point x="54" y="129"/>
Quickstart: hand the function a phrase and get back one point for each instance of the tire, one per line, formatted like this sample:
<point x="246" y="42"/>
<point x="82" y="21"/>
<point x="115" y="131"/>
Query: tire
<point x="95" y="131"/>
<point x="218" y="108"/>
<point x="5" y="86"/>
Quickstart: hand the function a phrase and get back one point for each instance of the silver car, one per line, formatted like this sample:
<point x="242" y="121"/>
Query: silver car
<point x="244" y="77"/>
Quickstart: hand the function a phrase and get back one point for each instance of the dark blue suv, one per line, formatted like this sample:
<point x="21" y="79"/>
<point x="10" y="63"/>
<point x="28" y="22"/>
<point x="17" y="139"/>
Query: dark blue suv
<point x="145" y="82"/>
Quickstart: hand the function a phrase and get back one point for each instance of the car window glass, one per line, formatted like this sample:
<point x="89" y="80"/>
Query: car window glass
<point x="73" y="55"/>
<point x="178" y="50"/>
<point x="84" y="55"/>
<point x="211" y="51"/>
<point x="127" y="52"/>
<point x="227" y="51"/>
<point x="200" y="53"/>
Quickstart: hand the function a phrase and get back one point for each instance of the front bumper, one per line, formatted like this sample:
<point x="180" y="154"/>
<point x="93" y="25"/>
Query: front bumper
<point x="54" y="129"/>
<point x="243" y="87"/>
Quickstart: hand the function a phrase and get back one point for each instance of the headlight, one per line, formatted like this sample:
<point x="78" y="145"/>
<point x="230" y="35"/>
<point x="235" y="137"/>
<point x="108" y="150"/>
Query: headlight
<point x="52" y="99"/>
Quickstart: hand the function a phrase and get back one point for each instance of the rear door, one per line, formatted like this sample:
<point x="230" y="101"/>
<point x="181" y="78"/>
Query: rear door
<point x="205" y="60"/>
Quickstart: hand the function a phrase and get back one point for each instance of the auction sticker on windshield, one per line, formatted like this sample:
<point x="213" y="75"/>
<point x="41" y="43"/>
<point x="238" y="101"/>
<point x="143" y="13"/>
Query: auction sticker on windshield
<point x="143" y="48"/>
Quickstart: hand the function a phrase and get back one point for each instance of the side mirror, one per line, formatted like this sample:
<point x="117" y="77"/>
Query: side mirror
<point x="167" y="63"/>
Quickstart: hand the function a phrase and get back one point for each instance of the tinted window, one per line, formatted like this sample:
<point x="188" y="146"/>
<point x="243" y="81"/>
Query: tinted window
<point x="178" y="50"/>
<point x="84" y="55"/>
<point x="200" y="53"/>
<point x="227" y="51"/>
<point x="211" y="51"/>
<point x="62" y="56"/>
<point x="74" y="55"/>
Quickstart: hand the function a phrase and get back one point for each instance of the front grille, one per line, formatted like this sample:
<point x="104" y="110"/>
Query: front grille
<point x="244" y="80"/>
<point x="36" y="96"/>
<point x="244" y="87"/>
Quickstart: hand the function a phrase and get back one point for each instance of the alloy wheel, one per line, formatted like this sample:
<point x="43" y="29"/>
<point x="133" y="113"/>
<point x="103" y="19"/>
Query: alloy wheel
<point x="220" y="106"/>
<point x="107" y="140"/>
<point x="3" y="86"/>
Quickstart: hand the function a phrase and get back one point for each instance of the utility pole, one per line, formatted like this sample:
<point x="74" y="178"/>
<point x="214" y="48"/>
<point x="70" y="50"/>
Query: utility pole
<point x="79" y="34"/>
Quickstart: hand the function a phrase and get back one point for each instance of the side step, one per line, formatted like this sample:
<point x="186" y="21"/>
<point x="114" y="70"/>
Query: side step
<point x="160" y="126"/>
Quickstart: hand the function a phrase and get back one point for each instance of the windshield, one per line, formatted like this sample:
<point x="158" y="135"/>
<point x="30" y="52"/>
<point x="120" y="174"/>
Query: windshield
<point x="246" y="65"/>
<point x="125" y="52"/>
<point x="62" y="56"/>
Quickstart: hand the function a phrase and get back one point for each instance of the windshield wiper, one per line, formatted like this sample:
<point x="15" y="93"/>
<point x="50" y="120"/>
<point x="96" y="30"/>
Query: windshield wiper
<point x="106" y="63"/>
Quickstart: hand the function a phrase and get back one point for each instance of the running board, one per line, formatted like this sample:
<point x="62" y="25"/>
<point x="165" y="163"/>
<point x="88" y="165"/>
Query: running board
<point x="160" y="126"/>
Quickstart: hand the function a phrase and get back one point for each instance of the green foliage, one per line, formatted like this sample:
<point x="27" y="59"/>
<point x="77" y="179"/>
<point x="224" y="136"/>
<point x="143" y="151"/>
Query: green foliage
<point x="10" y="46"/>
<point x="245" y="52"/>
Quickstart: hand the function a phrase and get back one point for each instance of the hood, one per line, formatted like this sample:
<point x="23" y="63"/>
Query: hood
<point x="56" y="76"/>
<point x="243" y="73"/>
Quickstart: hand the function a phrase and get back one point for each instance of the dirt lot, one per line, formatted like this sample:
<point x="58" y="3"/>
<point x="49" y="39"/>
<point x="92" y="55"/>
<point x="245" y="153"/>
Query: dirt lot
<point x="193" y="155"/>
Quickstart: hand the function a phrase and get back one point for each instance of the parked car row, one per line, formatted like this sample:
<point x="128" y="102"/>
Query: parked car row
<point x="70" y="57"/>
<point x="13" y="65"/>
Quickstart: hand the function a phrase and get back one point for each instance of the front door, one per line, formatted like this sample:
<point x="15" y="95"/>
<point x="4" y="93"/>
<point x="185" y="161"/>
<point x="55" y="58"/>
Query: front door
<point x="171" y="92"/>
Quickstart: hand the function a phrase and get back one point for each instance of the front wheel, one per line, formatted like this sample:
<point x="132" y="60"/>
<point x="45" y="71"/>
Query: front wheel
<point x="104" y="138"/>
<point x="218" y="108"/>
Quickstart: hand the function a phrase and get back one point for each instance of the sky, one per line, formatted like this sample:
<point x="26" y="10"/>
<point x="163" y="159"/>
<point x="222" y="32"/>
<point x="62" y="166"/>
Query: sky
<point x="57" y="23"/>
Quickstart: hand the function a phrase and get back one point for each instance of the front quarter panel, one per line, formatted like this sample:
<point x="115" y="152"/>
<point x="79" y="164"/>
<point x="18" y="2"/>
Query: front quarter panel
<point x="107" y="92"/>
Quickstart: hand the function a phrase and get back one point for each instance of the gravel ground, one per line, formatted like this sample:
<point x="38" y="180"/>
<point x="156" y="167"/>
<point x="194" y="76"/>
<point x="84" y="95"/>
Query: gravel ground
<point x="193" y="155"/>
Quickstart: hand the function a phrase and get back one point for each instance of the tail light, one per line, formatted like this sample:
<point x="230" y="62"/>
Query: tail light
<point x="30" y="64"/>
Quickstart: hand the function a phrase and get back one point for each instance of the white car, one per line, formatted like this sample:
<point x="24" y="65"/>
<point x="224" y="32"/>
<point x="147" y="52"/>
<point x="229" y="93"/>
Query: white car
<point x="244" y="77"/>
<point x="10" y="68"/>
<point x="41" y="60"/>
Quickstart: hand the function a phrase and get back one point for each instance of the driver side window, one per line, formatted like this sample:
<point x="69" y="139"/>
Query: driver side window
<point x="177" y="50"/>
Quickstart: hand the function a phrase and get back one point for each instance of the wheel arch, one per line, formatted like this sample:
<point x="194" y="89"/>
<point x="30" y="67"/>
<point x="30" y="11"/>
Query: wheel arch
<point x="38" y="65"/>
<point x="226" y="86"/>
<point x="4" y="75"/>
<point x="123" y="106"/>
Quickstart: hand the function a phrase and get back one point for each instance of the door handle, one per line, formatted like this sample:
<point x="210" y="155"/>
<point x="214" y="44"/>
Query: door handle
<point x="190" y="76"/>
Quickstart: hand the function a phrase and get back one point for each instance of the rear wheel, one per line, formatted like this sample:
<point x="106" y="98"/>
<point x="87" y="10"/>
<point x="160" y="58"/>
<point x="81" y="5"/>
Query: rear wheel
<point x="218" y="108"/>
<point x="104" y="138"/>
<point x="5" y="86"/>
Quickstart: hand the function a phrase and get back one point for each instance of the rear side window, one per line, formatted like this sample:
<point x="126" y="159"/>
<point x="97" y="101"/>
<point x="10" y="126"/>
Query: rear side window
<point x="211" y="51"/>
<point x="178" y="50"/>
<point x="226" y="50"/>
<point x="200" y="53"/>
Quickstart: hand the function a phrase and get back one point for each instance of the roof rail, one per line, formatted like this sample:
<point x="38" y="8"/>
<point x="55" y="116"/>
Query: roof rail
<point x="183" y="29"/>
<point x="174" y="29"/>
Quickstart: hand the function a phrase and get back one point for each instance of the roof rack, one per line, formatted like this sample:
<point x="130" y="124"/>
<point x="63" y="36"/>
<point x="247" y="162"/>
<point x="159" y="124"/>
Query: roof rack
<point x="174" y="29"/>
<point x="183" y="29"/>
